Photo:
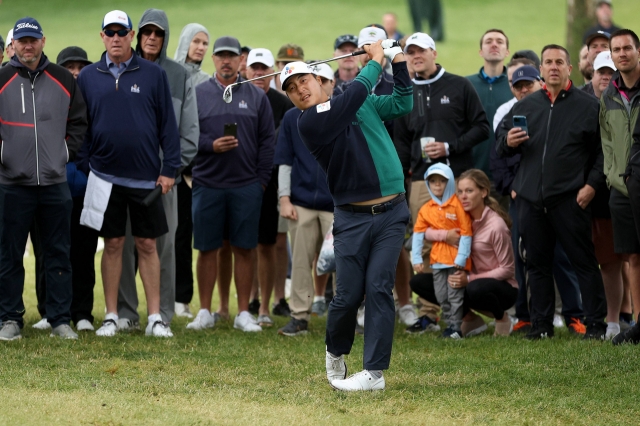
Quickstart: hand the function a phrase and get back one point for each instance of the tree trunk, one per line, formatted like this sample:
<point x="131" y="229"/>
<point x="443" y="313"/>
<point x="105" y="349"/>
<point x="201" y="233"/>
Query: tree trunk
<point x="580" y="16"/>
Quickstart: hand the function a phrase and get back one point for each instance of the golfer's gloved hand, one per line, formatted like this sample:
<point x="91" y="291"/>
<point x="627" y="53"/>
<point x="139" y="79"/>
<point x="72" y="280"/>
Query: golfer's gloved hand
<point x="391" y="49"/>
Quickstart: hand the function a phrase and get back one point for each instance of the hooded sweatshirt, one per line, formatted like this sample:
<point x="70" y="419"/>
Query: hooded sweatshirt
<point x="444" y="213"/>
<point x="182" y="89"/>
<point x="188" y="33"/>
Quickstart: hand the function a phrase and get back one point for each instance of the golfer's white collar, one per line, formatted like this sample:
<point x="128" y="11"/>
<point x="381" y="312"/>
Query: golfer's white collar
<point x="432" y="80"/>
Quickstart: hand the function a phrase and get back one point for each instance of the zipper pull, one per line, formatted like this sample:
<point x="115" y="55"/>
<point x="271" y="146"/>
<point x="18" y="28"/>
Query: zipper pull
<point x="117" y="78"/>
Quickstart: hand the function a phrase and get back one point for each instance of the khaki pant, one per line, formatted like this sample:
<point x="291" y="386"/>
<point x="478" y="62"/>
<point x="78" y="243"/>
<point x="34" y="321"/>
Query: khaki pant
<point x="419" y="197"/>
<point x="307" y="234"/>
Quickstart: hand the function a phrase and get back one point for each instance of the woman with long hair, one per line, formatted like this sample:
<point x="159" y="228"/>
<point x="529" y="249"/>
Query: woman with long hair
<point x="490" y="287"/>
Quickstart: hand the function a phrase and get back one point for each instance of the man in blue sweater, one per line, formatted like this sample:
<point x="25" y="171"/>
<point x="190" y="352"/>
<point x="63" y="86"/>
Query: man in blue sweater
<point x="347" y="137"/>
<point x="131" y="119"/>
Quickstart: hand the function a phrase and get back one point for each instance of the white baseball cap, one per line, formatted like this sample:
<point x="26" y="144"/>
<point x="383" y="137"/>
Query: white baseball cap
<point x="117" y="17"/>
<point x="292" y="69"/>
<point x="370" y="35"/>
<point x="421" y="40"/>
<point x="10" y="37"/>
<point x="260" y="55"/>
<point x="323" y="70"/>
<point x="604" y="60"/>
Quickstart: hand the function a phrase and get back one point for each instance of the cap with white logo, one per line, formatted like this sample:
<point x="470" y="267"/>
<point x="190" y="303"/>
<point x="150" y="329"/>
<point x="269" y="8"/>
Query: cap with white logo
<point x="370" y="35"/>
<point x="27" y="27"/>
<point x="262" y="56"/>
<point x="604" y="60"/>
<point x="117" y="17"/>
<point x="421" y="40"/>
<point x="292" y="69"/>
<point x="10" y="37"/>
<point x="323" y="70"/>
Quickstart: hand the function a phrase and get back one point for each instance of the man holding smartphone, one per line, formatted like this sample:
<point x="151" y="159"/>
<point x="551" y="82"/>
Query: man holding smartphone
<point x="229" y="177"/>
<point x="560" y="167"/>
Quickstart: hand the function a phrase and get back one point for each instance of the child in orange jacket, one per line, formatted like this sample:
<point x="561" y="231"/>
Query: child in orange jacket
<point x="444" y="211"/>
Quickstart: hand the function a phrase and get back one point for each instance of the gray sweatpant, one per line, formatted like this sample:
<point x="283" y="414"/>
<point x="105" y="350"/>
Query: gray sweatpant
<point x="449" y="298"/>
<point x="127" y="293"/>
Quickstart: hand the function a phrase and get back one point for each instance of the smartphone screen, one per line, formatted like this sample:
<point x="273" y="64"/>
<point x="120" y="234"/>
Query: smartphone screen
<point x="231" y="129"/>
<point x="521" y="121"/>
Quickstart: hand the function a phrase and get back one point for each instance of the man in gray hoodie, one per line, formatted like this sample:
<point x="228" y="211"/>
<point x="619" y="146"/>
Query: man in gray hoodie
<point x="153" y="38"/>
<point x="192" y="46"/>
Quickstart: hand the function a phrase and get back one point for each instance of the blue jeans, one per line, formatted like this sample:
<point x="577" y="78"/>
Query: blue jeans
<point x="367" y="248"/>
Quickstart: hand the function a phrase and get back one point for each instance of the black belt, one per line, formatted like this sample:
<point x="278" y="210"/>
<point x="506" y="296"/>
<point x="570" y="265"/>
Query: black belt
<point x="374" y="209"/>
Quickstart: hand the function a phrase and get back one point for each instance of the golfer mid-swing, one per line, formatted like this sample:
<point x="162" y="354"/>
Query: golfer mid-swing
<point x="347" y="137"/>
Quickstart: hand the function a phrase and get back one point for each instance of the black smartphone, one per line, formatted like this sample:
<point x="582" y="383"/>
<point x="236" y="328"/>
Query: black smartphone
<point x="521" y="121"/>
<point x="231" y="129"/>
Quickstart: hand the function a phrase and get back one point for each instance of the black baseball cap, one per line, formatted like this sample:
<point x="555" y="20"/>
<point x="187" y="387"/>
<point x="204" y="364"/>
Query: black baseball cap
<point x="597" y="34"/>
<point x="72" y="53"/>
<point x="527" y="54"/>
<point x="227" y="44"/>
<point x="347" y="38"/>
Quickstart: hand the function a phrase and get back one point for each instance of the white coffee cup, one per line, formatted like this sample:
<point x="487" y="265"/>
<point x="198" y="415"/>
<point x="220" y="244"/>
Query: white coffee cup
<point x="423" y="143"/>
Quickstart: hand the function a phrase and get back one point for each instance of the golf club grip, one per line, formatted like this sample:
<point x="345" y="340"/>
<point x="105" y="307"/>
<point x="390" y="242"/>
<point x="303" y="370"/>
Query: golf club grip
<point x="359" y="52"/>
<point x="152" y="196"/>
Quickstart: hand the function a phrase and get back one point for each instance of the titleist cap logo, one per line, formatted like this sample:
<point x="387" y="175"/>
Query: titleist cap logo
<point x="27" y="25"/>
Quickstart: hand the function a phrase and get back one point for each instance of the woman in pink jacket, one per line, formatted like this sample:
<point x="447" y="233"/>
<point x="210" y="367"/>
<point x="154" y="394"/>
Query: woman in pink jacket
<point x="490" y="287"/>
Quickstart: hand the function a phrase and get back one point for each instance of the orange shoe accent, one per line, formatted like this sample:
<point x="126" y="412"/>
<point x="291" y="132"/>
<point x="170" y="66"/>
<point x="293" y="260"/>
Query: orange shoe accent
<point x="577" y="326"/>
<point x="521" y="324"/>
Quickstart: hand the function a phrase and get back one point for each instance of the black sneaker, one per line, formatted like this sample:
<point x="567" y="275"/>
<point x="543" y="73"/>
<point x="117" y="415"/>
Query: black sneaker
<point x="282" y="309"/>
<point x="451" y="333"/>
<point x="595" y="331"/>
<point x="423" y="324"/>
<point x="632" y="335"/>
<point x="540" y="331"/>
<point x="294" y="327"/>
<point x="254" y="307"/>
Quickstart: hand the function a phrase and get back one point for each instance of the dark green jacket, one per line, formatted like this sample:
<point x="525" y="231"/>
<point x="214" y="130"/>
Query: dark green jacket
<point x="616" y="131"/>
<point x="491" y="96"/>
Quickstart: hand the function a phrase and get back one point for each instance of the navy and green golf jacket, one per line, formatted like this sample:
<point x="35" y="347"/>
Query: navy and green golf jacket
<point x="347" y="137"/>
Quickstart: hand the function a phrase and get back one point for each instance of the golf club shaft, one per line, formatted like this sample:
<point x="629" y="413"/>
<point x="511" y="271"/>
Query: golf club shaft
<point x="359" y="52"/>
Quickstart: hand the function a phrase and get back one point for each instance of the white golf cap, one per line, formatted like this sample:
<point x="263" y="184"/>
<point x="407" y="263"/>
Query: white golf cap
<point x="436" y="171"/>
<point x="323" y="70"/>
<point x="292" y="69"/>
<point x="603" y="60"/>
<point x="421" y="40"/>
<point x="370" y="35"/>
<point x="117" y="17"/>
<point x="260" y="55"/>
<point x="9" y="37"/>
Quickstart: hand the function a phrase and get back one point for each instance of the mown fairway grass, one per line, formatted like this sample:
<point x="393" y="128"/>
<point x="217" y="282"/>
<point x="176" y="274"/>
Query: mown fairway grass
<point x="223" y="376"/>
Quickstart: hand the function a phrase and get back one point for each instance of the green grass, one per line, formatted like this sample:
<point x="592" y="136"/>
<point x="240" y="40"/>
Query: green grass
<point x="223" y="376"/>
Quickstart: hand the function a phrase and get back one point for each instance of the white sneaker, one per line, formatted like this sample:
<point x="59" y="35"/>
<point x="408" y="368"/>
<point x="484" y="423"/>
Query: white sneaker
<point x="182" y="310"/>
<point x="127" y="325"/>
<point x="64" y="331"/>
<point x="203" y="320"/>
<point x="362" y="381"/>
<point x="246" y="322"/>
<point x="84" y="325"/>
<point x="158" y="329"/>
<point x="360" y="317"/>
<point x="557" y="321"/>
<point x="613" y="329"/>
<point x="43" y="324"/>
<point x="109" y="328"/>
<point x="407" y="315"/>
<point x="336" y="367"/>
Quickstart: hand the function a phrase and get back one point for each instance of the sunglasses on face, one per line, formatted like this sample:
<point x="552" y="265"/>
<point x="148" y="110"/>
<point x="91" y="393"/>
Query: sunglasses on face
<point x="148" y="31"/>
<point x="111" y="33"/>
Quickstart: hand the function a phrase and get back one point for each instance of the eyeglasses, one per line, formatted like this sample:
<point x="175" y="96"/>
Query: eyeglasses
<point x="521" y="85"/>
<point x="111" y="33"/>
<point x="148" y="31"/>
